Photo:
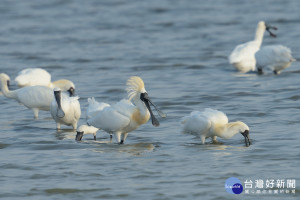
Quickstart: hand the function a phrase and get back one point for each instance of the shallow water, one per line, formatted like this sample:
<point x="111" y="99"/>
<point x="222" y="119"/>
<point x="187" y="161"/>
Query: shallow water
<point x="180" y="50"/>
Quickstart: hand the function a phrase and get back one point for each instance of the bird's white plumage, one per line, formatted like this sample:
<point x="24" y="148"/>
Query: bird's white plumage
<point x="274" y="57"/>
<point x="7" y="79"/>
<point x="243" y="55"/>
<point x="87" y="129"/>
<point x="113" y="118"/>
<point x="39" y="76"/>
<point x="211" y="123"/>
<point x="202" y="121"/>
<point x="33" y="76"/>
<point x="71" y="109"/>
<point x="94" y="107"/>
<point x="33" y="97"/>
<point x="124" y="116"/>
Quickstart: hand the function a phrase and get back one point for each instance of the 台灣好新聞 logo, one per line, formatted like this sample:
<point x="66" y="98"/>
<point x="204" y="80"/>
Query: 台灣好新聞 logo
<point x="233" y="186"/>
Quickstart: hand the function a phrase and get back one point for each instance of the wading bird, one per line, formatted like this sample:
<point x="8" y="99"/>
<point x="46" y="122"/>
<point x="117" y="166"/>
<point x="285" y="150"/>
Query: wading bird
<point x="213" y="123"/>
<point x="126" y="115"/>
<point x="93" y="108"/>
<point x="243" y="56"/>
<point x="274" y="57"/>
<point x="65" y="109"/>
<point x="33" y="97"/>
<point x="85" y="129"/>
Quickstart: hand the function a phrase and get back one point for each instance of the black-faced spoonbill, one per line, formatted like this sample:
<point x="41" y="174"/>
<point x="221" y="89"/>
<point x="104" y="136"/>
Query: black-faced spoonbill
<point x="64" y="109"/>
<point x="273" y="57"/>
<point x="243" y="55"/>
<point x="126" y="115"/>
<point x="213" y="123"/>
<point x="33" y="97"/>
<point x="93" y="108"/>
<point x="85" y="129"/>
<point x="39" y="76"/>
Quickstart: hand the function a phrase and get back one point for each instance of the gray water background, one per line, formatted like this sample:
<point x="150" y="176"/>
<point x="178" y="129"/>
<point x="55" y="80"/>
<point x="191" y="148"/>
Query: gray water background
<point x="180" y="50"/>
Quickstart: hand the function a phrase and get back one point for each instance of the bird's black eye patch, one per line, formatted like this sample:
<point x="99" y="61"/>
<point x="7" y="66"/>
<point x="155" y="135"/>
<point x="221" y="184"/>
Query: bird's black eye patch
<point x="144" y="96"/>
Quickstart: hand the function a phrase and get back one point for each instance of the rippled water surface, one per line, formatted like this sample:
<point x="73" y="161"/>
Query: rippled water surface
<point x="180" y="50"/>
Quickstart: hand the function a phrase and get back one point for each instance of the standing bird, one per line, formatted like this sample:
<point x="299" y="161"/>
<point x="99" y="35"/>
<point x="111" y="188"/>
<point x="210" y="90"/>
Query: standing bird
<point x="65" y="109"/>
<point x="243" y="55"/>
<point x="126" y="115"/>
<point x="274" y="57"/>
<point x="39" y="76"/>
<point x="85" y="129"/>
<point x="213" y="123"/>
<point x="93" y="108"/>
<point x="33" y="97"/>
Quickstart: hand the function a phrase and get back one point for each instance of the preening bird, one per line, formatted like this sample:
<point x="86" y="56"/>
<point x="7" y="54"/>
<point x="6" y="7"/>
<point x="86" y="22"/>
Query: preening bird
<point x="213" y="123"/>
<point x="243" y="55"/>
<point x="33" y="97"/>
<point x="126" y="115"/>
<point x="39" y="76"/>
<point x="273" y="57"/>
<point x="64" y="109"/>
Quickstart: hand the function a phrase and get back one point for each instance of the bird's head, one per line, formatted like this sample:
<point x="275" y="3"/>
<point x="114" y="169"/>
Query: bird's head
<point x="137" y="92"/>
<point x="5" y="79"/>
<point x="267" y="27"/>
<point x="66" y="86"/>
<point x="244" y="130"/>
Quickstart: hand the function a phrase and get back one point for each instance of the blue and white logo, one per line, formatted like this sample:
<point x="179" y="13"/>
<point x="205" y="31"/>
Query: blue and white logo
<point x="233" y="186"/>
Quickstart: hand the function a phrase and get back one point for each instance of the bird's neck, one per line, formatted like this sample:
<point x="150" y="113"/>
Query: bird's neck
<point x="259" y="35"/>
<point x="141" y="114"/>
<point x="141" y="106"/>
<point x="6" y="91"/>
<point x="228" y="130"/>
<point x="51" y="85"/>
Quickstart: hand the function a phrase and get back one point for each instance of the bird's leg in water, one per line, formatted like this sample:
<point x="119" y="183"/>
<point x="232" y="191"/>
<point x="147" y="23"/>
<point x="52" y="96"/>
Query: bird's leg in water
<point x="118" y="137"/>
<point x="259" y="70"/>
<point x="124" y="136"/>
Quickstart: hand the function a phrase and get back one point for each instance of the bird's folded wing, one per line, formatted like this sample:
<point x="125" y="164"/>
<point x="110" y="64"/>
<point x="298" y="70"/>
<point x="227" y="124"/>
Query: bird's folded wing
<point x="109" y="120"/>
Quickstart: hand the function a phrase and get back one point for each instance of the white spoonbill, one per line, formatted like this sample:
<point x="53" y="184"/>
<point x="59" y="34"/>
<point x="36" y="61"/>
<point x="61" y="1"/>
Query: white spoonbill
<point x="7" y="82"/>
<point x="274" y="57"/>
<point x="125" y="116"/>
<point x="85" y="129"/>
<point x="33" y="97"/>
<point x="39" y="76"/>
<point x="213" y="123"/>
<point x="65" y="109"/>
<point x="243" y="55"/>
<point x="93" y="108"/>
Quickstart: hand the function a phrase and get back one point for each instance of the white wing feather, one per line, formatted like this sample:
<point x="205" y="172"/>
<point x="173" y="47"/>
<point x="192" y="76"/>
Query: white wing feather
<point x="36" y="97"/>
<point x="273" y="56"/>
<point x="109" y="120"/>
<point x="196" y="122"/>
<point x="33" y="76"/>
<point x="243" y="56"/>
<point x="201" y="122"/>
<point x="94" y="107"/>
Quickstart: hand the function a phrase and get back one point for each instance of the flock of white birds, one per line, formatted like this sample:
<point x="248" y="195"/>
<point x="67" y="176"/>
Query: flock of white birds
<point x="37" y="92"/>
